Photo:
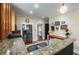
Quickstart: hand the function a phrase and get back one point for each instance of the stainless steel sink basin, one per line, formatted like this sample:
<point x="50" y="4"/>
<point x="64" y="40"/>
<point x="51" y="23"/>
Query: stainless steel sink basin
<point x="37" y="46"/>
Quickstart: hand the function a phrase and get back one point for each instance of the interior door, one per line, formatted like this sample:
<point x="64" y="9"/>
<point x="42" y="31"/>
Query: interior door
<point x="40" y="32"/>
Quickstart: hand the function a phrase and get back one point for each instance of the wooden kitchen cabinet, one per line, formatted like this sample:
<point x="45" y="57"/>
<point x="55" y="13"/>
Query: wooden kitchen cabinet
<point x="7" y="20"/>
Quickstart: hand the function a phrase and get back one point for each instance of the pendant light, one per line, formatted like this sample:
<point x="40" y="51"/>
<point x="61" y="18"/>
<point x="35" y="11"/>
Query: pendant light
<point x="63" y="8"/>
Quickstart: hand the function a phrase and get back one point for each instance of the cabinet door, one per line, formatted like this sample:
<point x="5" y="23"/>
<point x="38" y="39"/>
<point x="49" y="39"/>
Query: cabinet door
<point x="0" y="21"/>
<point x="6" y="19"/>
<point x="6" y="10"/>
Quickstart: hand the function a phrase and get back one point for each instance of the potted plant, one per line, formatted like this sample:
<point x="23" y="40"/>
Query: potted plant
<point x="67" y="33"/>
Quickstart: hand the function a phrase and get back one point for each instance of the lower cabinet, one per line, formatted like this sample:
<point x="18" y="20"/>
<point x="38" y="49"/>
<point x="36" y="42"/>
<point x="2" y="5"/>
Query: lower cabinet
<point x="66" y="51"/>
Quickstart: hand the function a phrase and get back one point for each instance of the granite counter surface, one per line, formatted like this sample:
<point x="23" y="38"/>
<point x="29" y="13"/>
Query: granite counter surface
<point x="55" y="45"/>
<point x="17" y="47"/>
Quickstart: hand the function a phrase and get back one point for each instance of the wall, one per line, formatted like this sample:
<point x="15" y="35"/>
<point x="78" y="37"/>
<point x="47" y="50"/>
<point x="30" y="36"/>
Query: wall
<point x="72" y="19"/>
<point x="33" y="21"/>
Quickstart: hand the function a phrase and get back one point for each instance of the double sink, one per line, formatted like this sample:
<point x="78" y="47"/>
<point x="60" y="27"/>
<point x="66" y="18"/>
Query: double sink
<point x="37" y="46"/>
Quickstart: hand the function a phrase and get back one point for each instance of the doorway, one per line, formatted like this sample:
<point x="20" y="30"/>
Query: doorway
<point x="46" y="30"/>
<point x="40" y="32"/>
<point x="27" y="33"/>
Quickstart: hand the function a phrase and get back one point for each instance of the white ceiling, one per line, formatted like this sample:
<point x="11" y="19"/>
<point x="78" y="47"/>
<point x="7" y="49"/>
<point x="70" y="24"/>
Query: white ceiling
<point x="45" y="9"/>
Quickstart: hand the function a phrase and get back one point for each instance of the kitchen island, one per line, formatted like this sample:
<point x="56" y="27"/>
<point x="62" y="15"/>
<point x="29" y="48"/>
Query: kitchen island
<point x="55" y="47"/>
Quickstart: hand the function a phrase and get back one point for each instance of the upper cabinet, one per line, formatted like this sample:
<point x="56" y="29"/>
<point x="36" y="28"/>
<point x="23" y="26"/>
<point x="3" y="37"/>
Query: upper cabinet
<point x="7" y="19"/>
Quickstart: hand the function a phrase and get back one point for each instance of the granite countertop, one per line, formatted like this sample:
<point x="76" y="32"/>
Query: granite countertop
<point x="17" y="47"/>
<point x="4" y="45"/>
<point x="55" y="45"/>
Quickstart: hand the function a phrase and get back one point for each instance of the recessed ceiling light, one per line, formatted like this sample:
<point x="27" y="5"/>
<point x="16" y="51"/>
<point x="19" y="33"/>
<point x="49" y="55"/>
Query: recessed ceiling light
<point x="36" y="5"/>
<point x="42" y="16"/>
<point x="31" y="12"/>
